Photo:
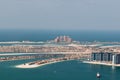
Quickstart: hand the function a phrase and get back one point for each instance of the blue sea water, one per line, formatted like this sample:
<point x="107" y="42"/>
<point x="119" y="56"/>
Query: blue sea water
<point x="44" y="35"/>
<point x="68" y="70"/>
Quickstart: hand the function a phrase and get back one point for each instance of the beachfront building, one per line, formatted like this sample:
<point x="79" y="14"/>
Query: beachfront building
<point x="101" y="56"/>
<point x="63" y="39"/>
<point x="117" y="58"/>
<point x="114" y="58"/>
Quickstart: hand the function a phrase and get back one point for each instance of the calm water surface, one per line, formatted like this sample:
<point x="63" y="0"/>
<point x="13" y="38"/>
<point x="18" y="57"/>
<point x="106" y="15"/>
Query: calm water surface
<point x="68" y="70"/>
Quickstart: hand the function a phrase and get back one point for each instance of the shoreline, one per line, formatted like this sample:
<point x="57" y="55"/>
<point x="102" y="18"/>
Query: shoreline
<point x="9" y="54"/>
<point x="101" y="63"/>
<point x="35" y="65"/>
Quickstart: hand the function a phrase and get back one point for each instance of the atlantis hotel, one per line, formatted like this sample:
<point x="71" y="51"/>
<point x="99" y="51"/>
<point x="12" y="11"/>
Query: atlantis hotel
<point x="114" y="58"/>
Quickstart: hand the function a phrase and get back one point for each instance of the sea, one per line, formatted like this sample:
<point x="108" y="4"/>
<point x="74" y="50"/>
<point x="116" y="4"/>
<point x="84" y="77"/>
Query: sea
<point x="67" y="70"/>
<point x="44" y="35"/>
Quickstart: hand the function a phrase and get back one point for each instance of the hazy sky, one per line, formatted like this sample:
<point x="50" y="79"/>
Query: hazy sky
<point x="60" y="14"/>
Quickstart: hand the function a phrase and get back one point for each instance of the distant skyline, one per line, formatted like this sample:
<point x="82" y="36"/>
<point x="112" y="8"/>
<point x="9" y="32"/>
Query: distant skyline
<point x="60" y="14"/>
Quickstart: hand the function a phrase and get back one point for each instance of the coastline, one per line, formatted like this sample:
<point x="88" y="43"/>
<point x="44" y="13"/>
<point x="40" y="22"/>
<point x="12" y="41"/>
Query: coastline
<point x="101" y="63"/>
<point x="26" y="65"/>
<point x="8" y="54"/>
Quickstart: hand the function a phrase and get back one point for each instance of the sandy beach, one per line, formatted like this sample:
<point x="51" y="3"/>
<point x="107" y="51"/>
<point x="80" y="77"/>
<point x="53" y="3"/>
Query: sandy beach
<point x="101" y="63"/>
<point x="26" y="65"/>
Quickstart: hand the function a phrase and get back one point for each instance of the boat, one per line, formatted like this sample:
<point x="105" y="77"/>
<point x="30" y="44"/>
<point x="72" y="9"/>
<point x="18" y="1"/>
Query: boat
<point x="98" y="75"/>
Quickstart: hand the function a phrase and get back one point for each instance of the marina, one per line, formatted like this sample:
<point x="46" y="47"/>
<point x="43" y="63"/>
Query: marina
<point x="71" y="69"/>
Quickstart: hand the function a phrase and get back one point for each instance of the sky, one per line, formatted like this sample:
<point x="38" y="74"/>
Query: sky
<point x="60" y="14"/>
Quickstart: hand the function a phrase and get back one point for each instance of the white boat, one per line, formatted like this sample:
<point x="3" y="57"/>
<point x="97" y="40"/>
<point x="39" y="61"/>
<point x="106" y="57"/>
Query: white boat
<point x="98" y="75"/>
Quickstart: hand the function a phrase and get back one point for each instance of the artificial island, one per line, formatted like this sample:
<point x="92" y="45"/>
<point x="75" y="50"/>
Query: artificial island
<point x="62" y="48"/>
